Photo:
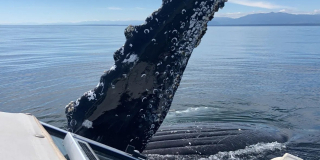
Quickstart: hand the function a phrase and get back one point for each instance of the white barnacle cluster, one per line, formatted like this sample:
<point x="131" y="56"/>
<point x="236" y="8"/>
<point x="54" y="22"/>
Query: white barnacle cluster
<point x="100" y="84"/>
<point x="112" y="86"/>
<point x="174" y="40"/>
<point x="128" y="32"/>
<point x="70" y="107"/>
<point x="87" y="124"/>
<point x="113" y="68"/>
<point x="143" y="98"/>
<point x="150" y="17"/>
<point x="183" y="11"/>
<point x="90" y="95"/>
<point x="122" y="50"/>
<point x="131" y="59"/>
<point x="118" y="54"/>
<point x="167" y="1"/>
<point x="146" y="31"/>
<point x="77" y="102"/>
<point x="73" y="123"/>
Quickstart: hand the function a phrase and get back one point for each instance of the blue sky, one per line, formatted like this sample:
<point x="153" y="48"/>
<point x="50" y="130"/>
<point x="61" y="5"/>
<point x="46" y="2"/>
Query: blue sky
<point x="53" y="11"/>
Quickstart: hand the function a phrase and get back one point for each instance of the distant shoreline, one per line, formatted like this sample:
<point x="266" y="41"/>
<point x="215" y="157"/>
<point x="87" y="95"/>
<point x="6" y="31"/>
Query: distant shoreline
<point x="269" y="25"/>
<point x="239" y="25"/>
<point x="259" y="19"/>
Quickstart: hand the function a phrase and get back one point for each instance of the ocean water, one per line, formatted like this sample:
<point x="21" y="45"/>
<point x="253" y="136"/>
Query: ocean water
<point x="254" y="75"/>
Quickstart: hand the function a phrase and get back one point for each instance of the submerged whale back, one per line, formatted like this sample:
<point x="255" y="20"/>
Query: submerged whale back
<point x="209" y="139"/>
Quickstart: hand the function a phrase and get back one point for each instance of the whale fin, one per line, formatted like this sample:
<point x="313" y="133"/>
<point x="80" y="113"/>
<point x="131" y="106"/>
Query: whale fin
<point x="132" y="98"/>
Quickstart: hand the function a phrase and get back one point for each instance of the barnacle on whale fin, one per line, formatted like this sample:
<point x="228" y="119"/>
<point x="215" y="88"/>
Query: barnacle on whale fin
<point x="128" y="32"/>
<point x="137" y="92"/>
<point x="70" y="107"/>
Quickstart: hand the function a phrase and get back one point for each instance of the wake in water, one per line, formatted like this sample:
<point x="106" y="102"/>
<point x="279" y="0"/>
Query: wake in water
<point x="191" y="111"/>
<point x="252" y="152"/>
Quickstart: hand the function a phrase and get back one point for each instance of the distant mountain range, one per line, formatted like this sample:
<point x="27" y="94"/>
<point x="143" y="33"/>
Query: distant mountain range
<point x="268" y="19"/>
<point x="261" y="19"/>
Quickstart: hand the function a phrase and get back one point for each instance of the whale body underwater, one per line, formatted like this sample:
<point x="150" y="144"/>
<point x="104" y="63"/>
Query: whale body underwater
<point x="132" y="99"/>
<point x="210" y="138"/>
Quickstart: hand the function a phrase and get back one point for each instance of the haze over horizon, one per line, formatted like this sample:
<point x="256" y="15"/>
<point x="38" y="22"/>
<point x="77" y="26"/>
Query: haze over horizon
<point x="42" y="12"/>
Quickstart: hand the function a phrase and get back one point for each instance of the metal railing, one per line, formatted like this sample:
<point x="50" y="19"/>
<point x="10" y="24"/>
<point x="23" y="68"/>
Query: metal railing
<point x="60" y="133"/>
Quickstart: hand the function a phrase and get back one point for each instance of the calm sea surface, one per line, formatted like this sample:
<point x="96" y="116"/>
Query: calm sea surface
<point x="256" y="75"/>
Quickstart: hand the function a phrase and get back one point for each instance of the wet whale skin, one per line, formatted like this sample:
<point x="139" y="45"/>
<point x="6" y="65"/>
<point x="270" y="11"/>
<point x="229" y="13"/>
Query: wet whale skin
<point x="133" y="97"/>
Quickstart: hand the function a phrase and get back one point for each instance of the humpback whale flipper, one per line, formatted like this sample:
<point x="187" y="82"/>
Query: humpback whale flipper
<point x="132" y="98"/>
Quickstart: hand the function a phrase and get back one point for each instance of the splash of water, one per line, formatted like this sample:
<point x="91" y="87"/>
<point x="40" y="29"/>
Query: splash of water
<point x="250" y="152"/>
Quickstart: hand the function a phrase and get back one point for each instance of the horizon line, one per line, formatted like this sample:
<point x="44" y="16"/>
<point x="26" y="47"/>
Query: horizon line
<point x="86" y="21"/>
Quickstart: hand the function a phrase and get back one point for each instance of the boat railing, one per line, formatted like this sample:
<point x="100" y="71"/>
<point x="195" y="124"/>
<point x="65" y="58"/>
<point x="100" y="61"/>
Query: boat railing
<point x="96" y="146"/>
